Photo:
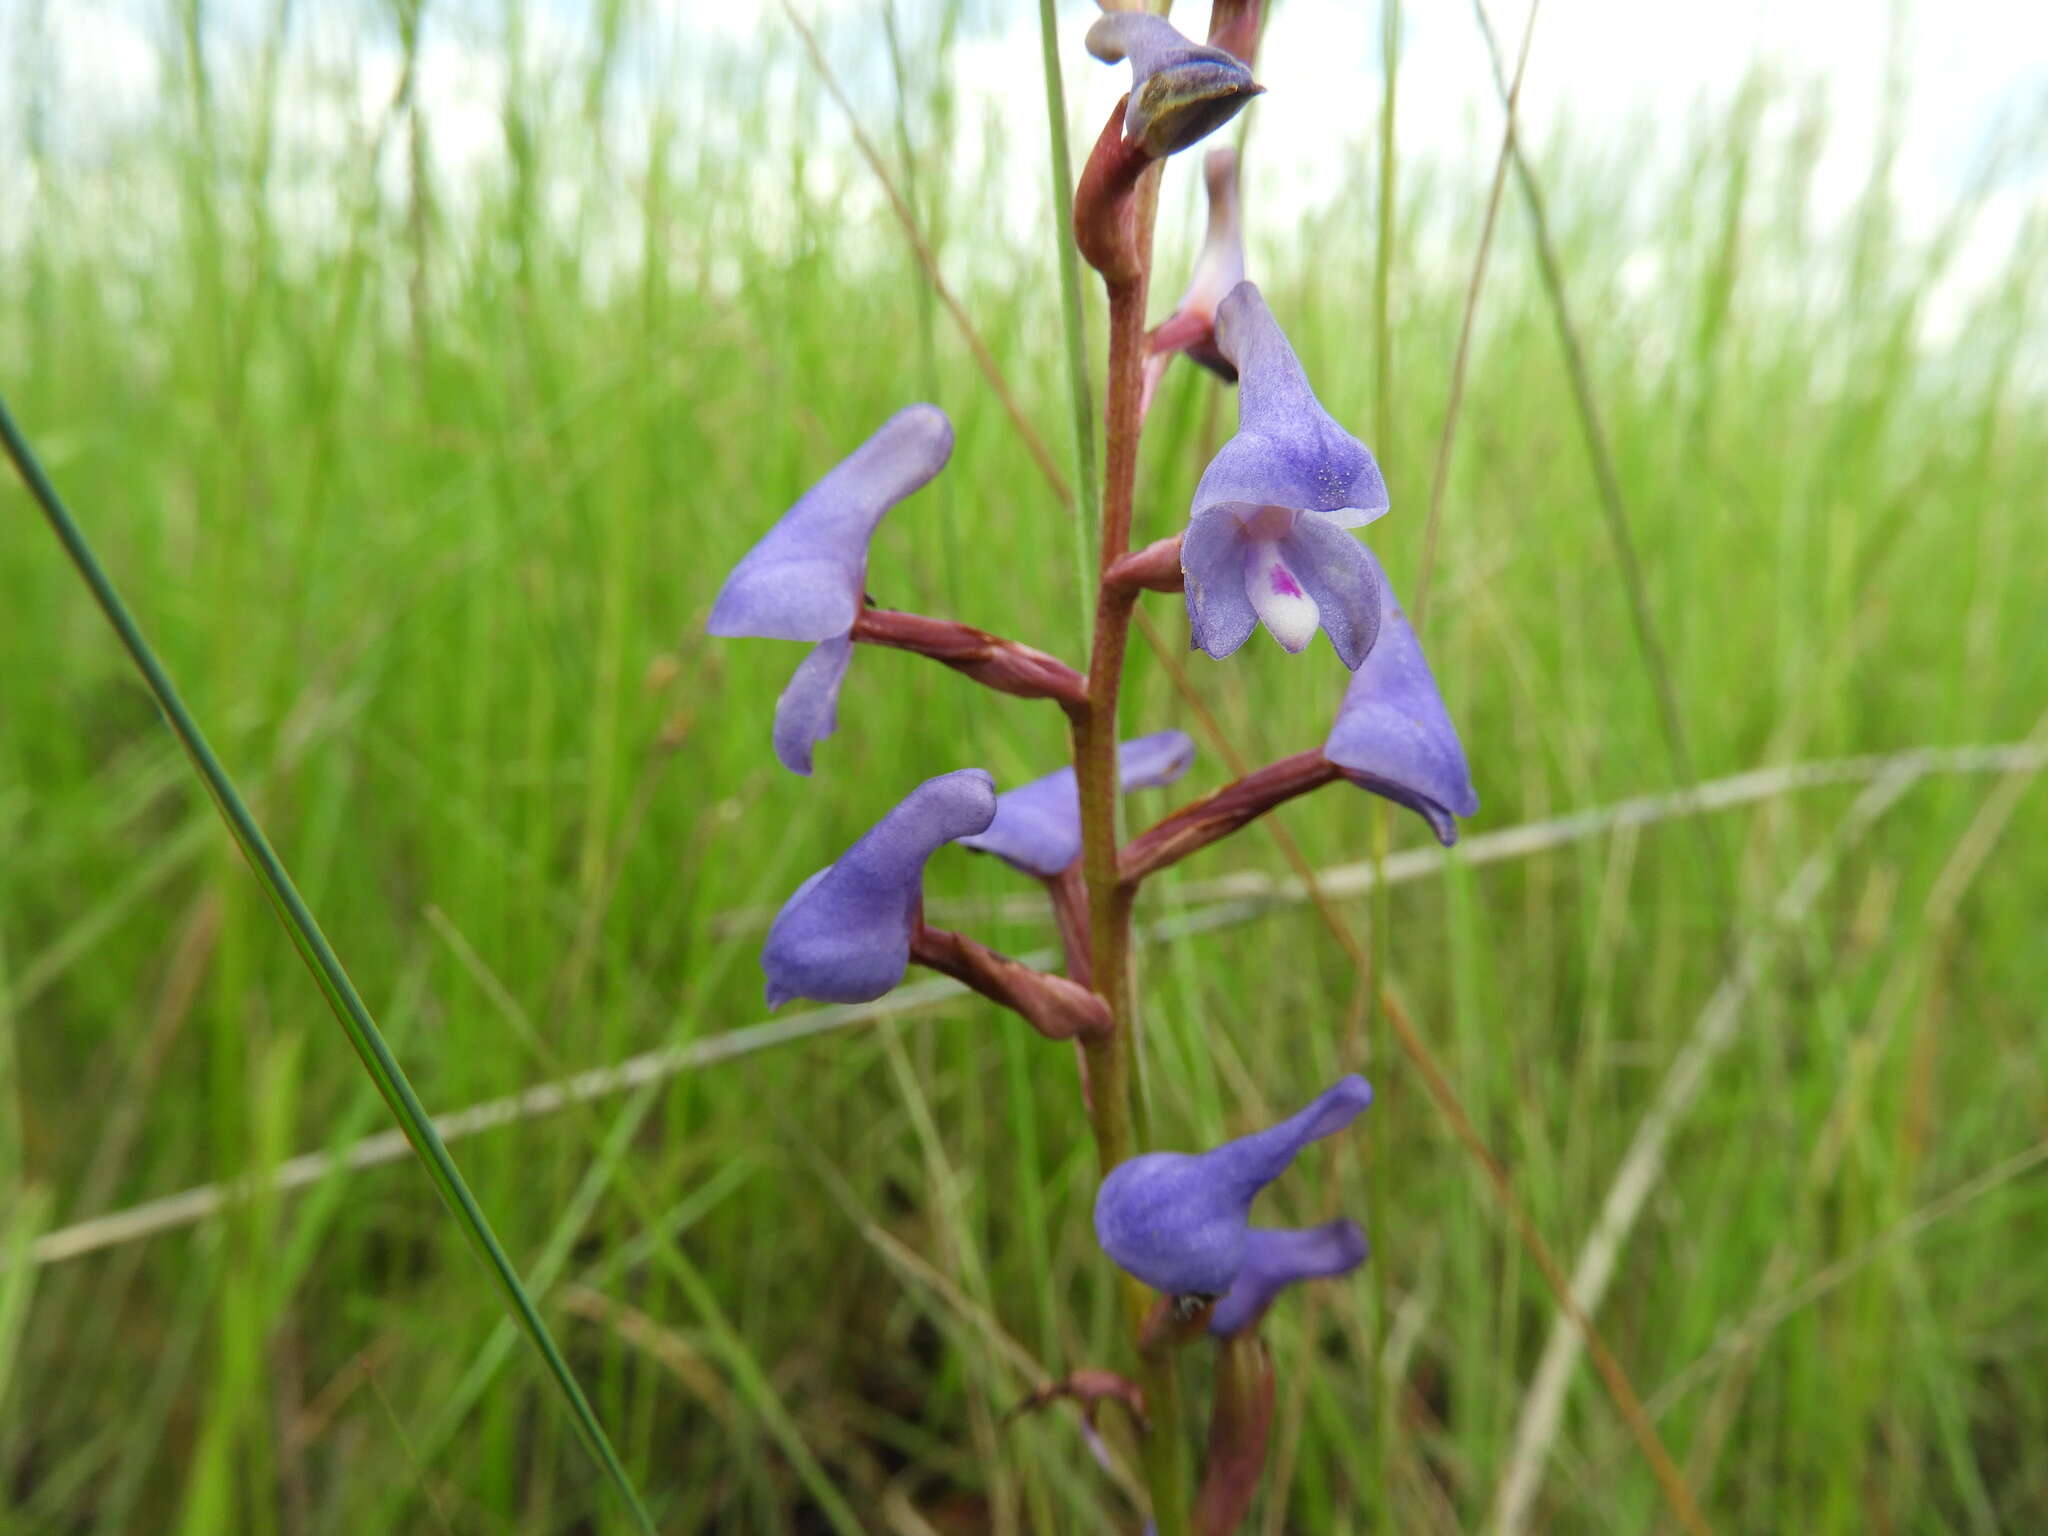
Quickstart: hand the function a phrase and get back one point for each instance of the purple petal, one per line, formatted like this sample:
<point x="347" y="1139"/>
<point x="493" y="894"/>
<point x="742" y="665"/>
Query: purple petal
<point x="844" y="937"/>
<point x="1181" y="91"/>
<point x="1340" y="574"/>
<point x="807" y="577"/>
<point x="1288" y="452"/>
<point x="1393" y="735"/>
<point x="808" y="710"/>
<point x="1220" y="614"/>
<point x="1178" y="1221"/>
<point x="1277" y="1257"/>
<point x="1037" y="827"/>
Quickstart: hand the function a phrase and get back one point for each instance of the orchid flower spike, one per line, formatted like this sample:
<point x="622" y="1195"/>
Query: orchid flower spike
<point x="1191" y="328"/>
<point x="1179" y="1221"/>
<point x="1037" y="827"/>
<point x="1393" y="735"/>
<point x="807" y="578"/>
<point x="1277" y="1257"/>
<point x="844" y="937"/>
<point x="1181" y="91"/>
<point x="1266" y="539"/>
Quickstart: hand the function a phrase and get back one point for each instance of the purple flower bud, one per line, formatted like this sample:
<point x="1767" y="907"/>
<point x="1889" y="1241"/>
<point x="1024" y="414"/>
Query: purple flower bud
<point x="1266" y="540"/>
<point x="807" y="578"/>
<point x="844" y="937"/>
<point x="1393" y="735"/>
<point x="1191" y="328"/>
<point x="1038" y="825"/>
<point x="1179" y="1221"/>
<point x="1181" y="91"/>
<point x="1277" y="1257"/>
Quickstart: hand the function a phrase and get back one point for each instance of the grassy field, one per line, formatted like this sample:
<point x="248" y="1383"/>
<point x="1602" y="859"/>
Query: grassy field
<point x="423" y="491"/>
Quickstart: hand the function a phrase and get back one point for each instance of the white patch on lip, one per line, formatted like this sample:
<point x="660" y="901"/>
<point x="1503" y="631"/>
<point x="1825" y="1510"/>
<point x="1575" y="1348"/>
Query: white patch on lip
<point x="1278" y="597"/>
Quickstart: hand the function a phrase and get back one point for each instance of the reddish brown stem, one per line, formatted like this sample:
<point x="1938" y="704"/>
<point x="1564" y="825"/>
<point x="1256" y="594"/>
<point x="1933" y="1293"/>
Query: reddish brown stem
<point x="1194" y="827"/>
<point x="990" y="660"/>
<point x="1155" y="568"/>
<point x="1090" y="1387"/>
<point x="1057" y="1008"/>
<point x="1239" y="1425"/>
<point x="1234" y="27"/>
<point x="1106" y="206"/>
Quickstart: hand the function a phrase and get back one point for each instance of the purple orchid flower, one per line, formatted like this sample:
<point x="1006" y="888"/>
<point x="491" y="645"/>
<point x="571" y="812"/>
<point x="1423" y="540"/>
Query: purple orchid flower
<point x="1191" y="328"/>
<point x="1181" y="91"/>
<point x="1393" y="735"/>
<point x="1178" y="1220"/>
<point x="1038" y="825"/>
<point x="1277" y="1257"/>
<point x="1266" y="539"/>
<point x="844" y="937"/>
<point x="807" y="578"/>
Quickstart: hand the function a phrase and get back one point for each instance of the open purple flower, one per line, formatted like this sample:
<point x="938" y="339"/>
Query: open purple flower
<point x="1037" y="827"/>
<point x="1266" y="539"/>
<point x="1393" y="735"/>
<point x="1191" y="328"/>
<point x="1277" y="1257"/>
<point x="1179" y="1221"/>
<point x="807" y="578"/>
<point x="844" y="937"/>
<point x="1181" y="91"/>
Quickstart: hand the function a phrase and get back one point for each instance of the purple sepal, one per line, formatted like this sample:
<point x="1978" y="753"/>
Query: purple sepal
<point x="1393" y="735"/>
<point x="844" y="937"/>
<point x="806" y="579"/>
<point x="1288" y="451"/>
<point x="1178" y="1221"/>
<point x="1266" y="540"/>
<point x="1037" y="827"/>
<point x="1277" y="1257"/>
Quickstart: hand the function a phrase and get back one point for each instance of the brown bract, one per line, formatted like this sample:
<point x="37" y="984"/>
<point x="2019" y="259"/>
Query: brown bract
<point x="1194" y="827"/>
<point x="990" y="660"/>
<point x="1057" y="1008"/>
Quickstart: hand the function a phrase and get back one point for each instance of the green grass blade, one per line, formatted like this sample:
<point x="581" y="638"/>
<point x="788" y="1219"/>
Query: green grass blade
<point x="349" y="1008"/>
<point x="1088" y="489"/>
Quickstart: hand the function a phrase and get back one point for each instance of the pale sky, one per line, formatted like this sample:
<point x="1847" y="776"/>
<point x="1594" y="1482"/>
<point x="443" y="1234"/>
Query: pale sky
<point x="1625" y="75"/>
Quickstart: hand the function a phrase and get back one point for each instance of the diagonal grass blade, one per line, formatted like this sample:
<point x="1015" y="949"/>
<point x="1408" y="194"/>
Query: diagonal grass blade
<point x="340" y="992"/>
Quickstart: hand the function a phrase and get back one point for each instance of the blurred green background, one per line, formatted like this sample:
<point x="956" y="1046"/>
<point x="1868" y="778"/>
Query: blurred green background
<point x="420" y="427"/>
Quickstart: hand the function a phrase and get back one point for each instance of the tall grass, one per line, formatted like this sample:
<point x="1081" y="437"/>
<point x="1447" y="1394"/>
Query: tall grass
<point x="422" y="486"/>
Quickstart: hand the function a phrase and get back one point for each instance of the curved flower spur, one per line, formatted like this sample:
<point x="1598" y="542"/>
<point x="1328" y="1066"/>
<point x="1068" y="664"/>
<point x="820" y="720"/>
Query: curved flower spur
<point x="1179" y="1221"/>
<point x="1268" y="538"/>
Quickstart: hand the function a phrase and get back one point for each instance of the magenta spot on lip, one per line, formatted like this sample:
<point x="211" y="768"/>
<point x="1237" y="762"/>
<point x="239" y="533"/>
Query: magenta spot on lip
<point x="1284" y="583"/>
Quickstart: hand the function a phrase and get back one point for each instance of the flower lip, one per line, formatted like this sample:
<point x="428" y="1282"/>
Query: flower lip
<point x="1181" y="91"/>
<point x="1393" y="735"/>
<point x="1037" y="826"/>
<point x="1277" y="1257"/>
<point x="844" y="935"/>
<point x="1179" y="1221"/>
